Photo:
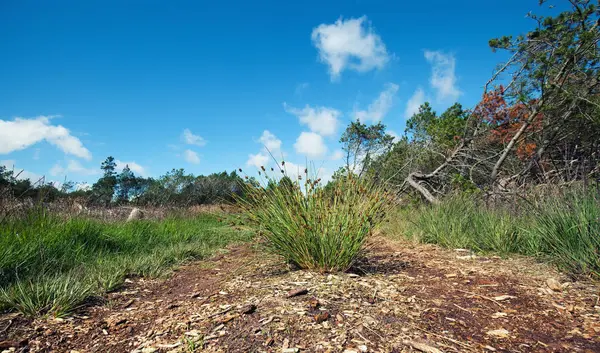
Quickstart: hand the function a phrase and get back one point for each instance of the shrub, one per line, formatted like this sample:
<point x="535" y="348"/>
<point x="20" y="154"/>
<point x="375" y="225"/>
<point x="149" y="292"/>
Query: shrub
<point x="312" y="227"/>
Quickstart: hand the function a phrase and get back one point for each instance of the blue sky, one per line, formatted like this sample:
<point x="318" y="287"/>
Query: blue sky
<point x="204" y="85"/>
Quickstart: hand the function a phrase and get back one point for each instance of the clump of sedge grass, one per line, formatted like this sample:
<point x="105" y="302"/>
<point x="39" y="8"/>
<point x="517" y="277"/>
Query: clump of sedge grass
<point x="311" y="226"/>
<point x="54" y="295"/>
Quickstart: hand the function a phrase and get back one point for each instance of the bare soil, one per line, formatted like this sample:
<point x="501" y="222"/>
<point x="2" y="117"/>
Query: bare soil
<point x="402" y="297"/>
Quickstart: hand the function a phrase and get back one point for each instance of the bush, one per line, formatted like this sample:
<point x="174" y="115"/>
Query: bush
<point x="312" y="227"/>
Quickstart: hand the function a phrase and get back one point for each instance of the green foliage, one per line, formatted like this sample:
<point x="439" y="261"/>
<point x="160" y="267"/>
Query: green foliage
<point x="50" y="265"/>
<point x="362" y="143"/>
<point x="313" y="227"/>
<point x="444" y="130"/>
<point x="103" y="190"/>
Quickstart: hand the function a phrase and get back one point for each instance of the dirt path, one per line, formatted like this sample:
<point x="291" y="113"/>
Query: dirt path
<point x="404" y="298"/>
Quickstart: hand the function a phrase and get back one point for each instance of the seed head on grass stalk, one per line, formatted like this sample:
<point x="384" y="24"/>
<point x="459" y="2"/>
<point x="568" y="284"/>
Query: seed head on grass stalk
<point x="313" y="227"/>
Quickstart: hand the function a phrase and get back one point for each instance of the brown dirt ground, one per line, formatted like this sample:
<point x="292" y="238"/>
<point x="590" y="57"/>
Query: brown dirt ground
<point x="403" y="297"/>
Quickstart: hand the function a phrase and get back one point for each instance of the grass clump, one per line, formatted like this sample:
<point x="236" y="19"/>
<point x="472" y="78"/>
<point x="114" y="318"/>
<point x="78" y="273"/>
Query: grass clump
<point x="50" y="265"/>
<point x="55" y="295"/>
<point x="314" y="227"/>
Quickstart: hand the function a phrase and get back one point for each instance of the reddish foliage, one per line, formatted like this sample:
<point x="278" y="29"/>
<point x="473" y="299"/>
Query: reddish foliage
<point x="505" y="120"/>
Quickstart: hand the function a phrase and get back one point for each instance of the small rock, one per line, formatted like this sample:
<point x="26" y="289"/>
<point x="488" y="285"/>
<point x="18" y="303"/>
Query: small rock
<point x="363" y="348"/>
<point x="290" y="350"/>
<point x="148" y="350"/>
<point x="500" y="333"/>
<point x="296" y="292"/>
<point x="136" y="213"/>
<point x="554" y="285"/>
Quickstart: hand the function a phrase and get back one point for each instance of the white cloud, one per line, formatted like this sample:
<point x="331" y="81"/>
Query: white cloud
<point x="21" y="174"/>
<point x="349" y="44"/>
<point x="21" y="133"/>
<point x="380" y="106"/>
<point x="396" y="137"/>
<point x="135" y="168"/>
<point x="83" y="187"/>
<point x="73" y="167"/>
<point x="191" y="157"/>
<point x="443" y="76"/>
<point x="413" y="104"/>
<point x="337" y="155"/>
<point x="188" y="137"/>
<point x="311" y="145"/>
<point x="270" y="141"/>
<point x="321" y="120"/>
<point x="258" y="160"/>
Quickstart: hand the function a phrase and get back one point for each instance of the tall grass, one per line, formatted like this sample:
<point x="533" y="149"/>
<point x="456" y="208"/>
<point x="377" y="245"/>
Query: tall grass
<point x="50" y="265"/>
<point x="567" y="230"/>
<point x="312" y="227"/>
<point x="460" y="222"/>
<point x="563" y="229"/>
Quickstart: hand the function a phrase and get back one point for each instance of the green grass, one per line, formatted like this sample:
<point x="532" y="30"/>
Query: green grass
<point x="316" y="228"/>
<point x="49" y="265"/>
<point x="563" y="229"/>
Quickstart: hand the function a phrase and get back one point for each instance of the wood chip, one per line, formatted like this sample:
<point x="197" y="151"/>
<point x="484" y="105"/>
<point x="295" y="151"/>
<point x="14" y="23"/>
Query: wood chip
<point x="247" y="309"/>
<point x="296" y="292"/>
<point x="554" y="285"/>
<point x="324" y="316"/>
<point x="500" y="333"/>
<point x="422" y="347"/>
<point x="504" y="297"/>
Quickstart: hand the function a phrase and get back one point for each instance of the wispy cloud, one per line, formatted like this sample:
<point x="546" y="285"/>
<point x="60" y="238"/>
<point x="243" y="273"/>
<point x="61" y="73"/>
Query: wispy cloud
<point x="73" y="167"/>
<point x="300" y="88"/>
<point x="191" y="157"/>
<point x="443" y="75"/>
<point x="380" y="106"/>
<point x="349" y="44"/>
<point x="22" y="133"/>
<point x="135" y="167"/>
<point x="20" y="173"/>
<point x="413" y="104"/>
<point x="189" y="138"/>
